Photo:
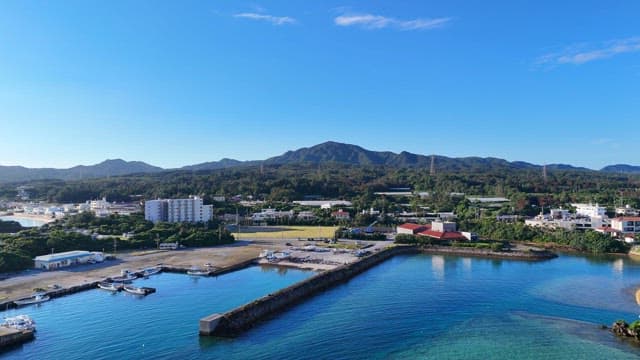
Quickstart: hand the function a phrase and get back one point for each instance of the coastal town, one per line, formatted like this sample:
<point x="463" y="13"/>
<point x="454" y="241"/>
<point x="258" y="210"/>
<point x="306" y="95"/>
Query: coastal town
<point x="319" y="180"/>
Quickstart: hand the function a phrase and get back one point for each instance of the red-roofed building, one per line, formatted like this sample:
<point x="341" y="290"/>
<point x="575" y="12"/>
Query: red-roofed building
<point x="411" y="229"/>
<point x="447" y="235"/>
<point x="341" y="215"/>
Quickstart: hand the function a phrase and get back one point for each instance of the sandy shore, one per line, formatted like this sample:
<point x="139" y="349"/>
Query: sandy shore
<point x="43" y="218"/>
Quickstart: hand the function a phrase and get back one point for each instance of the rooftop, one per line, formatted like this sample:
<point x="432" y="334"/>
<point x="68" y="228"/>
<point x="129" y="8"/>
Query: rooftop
<point x="62" y="255"/>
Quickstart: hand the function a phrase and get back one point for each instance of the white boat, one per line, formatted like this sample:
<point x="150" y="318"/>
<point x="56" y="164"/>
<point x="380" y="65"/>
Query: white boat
<point x="125" y="277"/>
<point x="195" y="271"/>
<point x="34" y="299"/>
<point x="138" y="290"/>
<point x="151" y="271"/>
<point x="19" y="322"/>
<point x="105" y="285"/>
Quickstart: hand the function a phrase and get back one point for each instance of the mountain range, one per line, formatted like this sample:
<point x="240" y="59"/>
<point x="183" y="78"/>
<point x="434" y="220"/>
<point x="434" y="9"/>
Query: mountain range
<point x="322" y="153"/>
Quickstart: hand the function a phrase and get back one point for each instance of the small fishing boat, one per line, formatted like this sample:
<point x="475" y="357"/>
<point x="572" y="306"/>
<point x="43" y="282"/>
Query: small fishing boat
<point x="125" y="277"/>
<point x="19" y="322"/>
<point x="33" y="299"/>
<point x="105" y="285"/>
<point x="138" y="290"/>
<point x="151" y="271"/>
<point x="196" y="271"/>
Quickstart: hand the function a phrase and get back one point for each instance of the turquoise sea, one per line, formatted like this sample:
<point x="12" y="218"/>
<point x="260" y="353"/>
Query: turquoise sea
<point x="26" y="222"/>
<point x="409" y="307"/>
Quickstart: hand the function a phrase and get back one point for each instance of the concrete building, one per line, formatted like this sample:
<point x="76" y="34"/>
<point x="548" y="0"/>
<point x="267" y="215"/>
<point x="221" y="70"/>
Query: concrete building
<point x="178" y="210"/>
<point x="626" y="210"/>
<point x="271" y="214"/>
<point x="411" y="229"/>
<point x="590" y="210"/>
<point x="626" y="224"/>
<point x="69" y="258"/>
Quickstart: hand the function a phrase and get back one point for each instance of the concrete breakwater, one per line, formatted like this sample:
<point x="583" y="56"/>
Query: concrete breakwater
<point x="533" y="255"/>
<point x="56" y="293"/>
<point x="233" y="322"/>
<point x="214" y="271"/>
<point x="9" y="337"/>
<point x="245" y="316"/>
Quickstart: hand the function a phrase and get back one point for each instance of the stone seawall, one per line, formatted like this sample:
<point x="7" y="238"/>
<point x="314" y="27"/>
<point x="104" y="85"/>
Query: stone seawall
<point x="486" y="253"/>
<point x="245" y="316"/>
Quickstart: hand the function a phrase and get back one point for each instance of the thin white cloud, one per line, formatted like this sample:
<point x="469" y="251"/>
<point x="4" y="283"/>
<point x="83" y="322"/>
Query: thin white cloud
<point x="581" y="54"/>
<point x="275" y="20"/>
<point x="372" y="22"/>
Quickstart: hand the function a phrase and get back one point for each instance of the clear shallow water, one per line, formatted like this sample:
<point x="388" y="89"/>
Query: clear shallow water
<point x="410" y="307"/>
<point x="25" y="222"/>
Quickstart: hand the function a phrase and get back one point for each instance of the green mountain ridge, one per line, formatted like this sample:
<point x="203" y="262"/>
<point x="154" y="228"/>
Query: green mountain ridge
<point x="327" y="152"/>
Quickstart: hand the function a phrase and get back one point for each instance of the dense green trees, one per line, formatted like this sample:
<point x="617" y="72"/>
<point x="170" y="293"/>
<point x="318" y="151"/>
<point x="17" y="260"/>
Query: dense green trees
<point x="88" y="232"/>
<point x="10" y="226"/>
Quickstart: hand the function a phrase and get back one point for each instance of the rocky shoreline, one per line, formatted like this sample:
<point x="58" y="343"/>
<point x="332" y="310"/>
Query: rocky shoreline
<point x="532" y="255"/>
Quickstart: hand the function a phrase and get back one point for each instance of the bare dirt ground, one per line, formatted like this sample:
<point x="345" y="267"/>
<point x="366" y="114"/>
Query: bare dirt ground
<point x="21" y="285"/>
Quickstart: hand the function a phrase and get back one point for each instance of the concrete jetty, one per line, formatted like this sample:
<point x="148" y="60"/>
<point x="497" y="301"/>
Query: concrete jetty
<point x="9" y="337"/>
<point x="245" y="316"/>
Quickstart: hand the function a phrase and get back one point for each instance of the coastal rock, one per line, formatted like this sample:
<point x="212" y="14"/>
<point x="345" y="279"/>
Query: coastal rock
<point x="622" y="329"/>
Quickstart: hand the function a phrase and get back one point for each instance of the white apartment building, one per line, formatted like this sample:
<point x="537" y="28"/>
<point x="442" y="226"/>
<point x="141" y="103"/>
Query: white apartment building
<point x="178" y="210"/>
<point x="626" y="224"/>
<point x="590" y="210"/>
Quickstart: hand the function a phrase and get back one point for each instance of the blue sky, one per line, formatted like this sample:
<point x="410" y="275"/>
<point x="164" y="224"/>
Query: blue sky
<point x="174" y="83"/>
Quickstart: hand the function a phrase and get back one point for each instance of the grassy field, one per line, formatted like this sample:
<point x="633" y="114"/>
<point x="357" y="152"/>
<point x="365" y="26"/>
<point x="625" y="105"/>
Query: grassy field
<point x="285" y="232"/>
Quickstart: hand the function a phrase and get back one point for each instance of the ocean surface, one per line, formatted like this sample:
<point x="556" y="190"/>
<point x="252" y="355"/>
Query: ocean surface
<point x="25" y="222"/>
<point x="409" y="307"/>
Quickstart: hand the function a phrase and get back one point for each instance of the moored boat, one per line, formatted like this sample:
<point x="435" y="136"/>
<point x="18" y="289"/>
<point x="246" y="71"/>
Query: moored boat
<point x="138" y="290"/>
<point x="19" y="322"/>
<point x="125" y="277"/>
<point x="105" y="285"/>
<point x="34" y="299"/>
<point x="151" y="271"/>
<point x="196" y="271"/>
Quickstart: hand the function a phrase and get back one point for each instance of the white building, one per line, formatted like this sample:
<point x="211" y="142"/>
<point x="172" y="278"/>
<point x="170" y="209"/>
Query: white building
<point x="590" y="210"/>
<point x="626" y="210"/>
<point x="178" y="210"/>
<point x="626" y="224"/>
<point x="271" y="214"/>
<point x="69" y="258"/>
<point x="443" y="226"/>
<point x="98" y="204"/>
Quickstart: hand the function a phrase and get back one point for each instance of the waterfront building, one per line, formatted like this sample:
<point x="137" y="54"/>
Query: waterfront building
<point x="411" y="229"/>
<point x="626" y="224"/>
<point x="178" y="210"/>
<point x="64" y="259"/>
<point x="439" y="230"/>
